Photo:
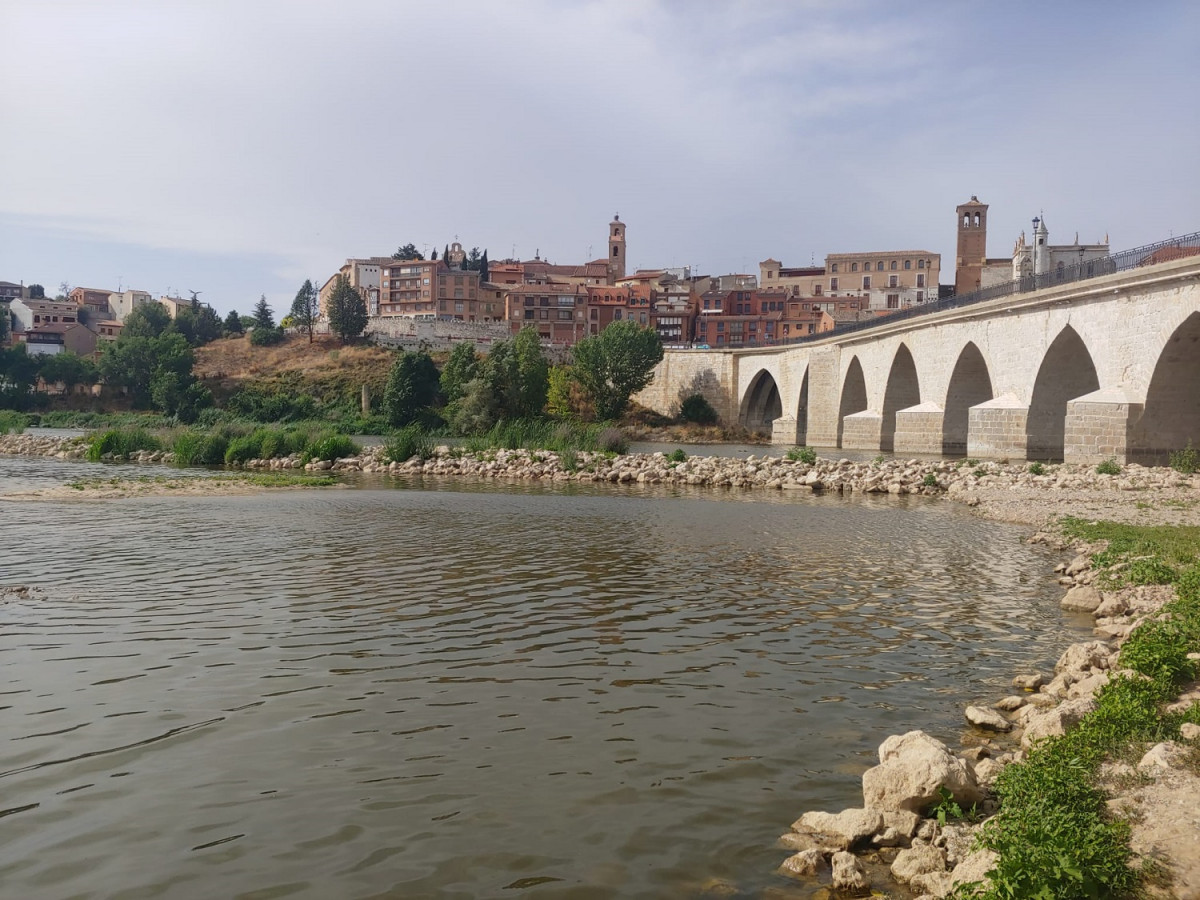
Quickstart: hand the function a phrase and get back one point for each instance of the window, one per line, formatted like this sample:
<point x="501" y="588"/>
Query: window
<point x="529" y="313"/>
<point x="920" y="279"/>
<point x="879" y="266"/>
<point x="920" y="296"/>
<point x="720" y="326"/>
<point x="770" y="274"/>
<point x="907" y="264"/>
<point x="920" y="263"/>
<point x="564" y="314"/>
<point x="893" y="281"/>
<point x="833" y="268"/>
<point x="893" y="265"/>
<point x="833" y="284"/>
<point x="866" y="282"/>
<point x="816" y="290"/>
<point x="853" y="267"/>
<point x="545" y="313"/>
<point x="529" y="301"/>
<point x="893" y="301"/>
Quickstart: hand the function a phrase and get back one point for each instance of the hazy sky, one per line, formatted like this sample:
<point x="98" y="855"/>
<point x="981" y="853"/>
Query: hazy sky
<point x="236" y="147"/>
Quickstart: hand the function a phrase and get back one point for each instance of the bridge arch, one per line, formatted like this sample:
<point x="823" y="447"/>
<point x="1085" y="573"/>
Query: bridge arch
<point x="802" y="411"/>
<point x="903" y="390"/>
<point x="1067" y="371"/>
<point x="970" y="384"/>
<point x="1171" y="417"/>
<point x="854" y="395"/>
<point x="761" y="405"/>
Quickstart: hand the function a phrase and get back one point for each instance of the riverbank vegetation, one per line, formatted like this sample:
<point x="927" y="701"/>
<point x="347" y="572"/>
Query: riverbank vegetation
<point x="1054" y="833"/>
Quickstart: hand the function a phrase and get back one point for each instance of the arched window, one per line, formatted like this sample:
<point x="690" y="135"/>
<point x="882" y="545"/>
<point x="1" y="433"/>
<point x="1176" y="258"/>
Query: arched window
<point x="895" y="265"/>
<point x="920" y="263"/>
<point x="853" y="267"/>
<point x="907" y="264"/>
<point x="879" y="266"/>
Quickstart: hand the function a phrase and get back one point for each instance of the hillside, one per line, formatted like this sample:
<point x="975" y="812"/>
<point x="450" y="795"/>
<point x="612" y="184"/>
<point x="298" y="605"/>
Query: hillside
<point x="325" y="368"/>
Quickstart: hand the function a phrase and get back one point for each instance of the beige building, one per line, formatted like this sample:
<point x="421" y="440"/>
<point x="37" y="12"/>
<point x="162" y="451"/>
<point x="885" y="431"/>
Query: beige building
<point x="884" y="280"/>
<point x="123" y="303"/>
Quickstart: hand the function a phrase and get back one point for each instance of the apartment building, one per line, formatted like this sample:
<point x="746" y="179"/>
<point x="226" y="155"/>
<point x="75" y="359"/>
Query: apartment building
<point x="885" y="280"/>
<point x="556" y="309"/>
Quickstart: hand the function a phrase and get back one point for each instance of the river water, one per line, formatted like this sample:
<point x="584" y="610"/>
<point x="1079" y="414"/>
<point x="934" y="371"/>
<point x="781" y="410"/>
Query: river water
<point x="408" y="689"/>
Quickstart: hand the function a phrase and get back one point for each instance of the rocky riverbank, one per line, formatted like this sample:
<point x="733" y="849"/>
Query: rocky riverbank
<point x="998" y="490"/>
<point x="897" y="840"/>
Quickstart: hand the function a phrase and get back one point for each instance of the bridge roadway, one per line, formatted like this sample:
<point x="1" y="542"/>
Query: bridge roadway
<point x="1083" y="372"/>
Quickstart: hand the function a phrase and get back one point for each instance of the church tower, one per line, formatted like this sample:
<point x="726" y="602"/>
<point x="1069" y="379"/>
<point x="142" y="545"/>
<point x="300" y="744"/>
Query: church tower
<point x="972" y="246"/>
<point x="616" y="250"/>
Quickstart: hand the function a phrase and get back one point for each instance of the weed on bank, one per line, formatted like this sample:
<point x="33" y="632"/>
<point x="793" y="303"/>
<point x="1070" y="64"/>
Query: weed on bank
<point x="1053" y="834"/>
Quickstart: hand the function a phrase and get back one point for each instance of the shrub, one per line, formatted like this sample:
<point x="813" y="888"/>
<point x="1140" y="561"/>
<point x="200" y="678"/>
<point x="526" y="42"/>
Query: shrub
<point x="568" y="459"/>
<point x="612" y="440"/>
<point x="1037" y="469"/>
<point x="406" y="443"/>
<point x="979" y="471"/>
<point x="264" y="337"/>
<point x="121" y="442"/>
<point x="695" y="408"/>
<point x="1109" y="467"/>
<point x="930" y="480"/>
<point x="330" y="445"/>
<point x="677" y="455"/>
<point x="196" y="448"/>
<point x="806" y="455"/>
<point x="1185" y="461"/>
<point x="13" y="422"/>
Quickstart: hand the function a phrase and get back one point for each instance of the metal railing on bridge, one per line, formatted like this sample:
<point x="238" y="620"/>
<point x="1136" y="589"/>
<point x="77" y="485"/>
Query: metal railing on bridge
<point x="1173" y="248"/>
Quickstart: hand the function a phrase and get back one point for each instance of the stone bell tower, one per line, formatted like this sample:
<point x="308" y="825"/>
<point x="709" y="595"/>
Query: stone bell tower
<point x="616" y="249"/>
<point x="972" y="246"/>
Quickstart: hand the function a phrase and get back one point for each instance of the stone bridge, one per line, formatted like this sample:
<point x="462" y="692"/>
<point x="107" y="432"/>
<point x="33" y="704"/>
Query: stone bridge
<point x="1108" y="367"/>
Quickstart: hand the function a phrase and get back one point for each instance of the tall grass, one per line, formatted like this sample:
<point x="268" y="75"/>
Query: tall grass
<point x="121" y="443"/>
<point x="539" y="434"/>
<point x="408" y="442"/>
<point x="13" y="422"/>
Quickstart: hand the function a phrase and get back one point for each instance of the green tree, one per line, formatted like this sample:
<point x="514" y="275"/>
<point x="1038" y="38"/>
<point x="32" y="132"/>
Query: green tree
<point x="305" y="308"/>
<point x="615" y="364"/>
<point x="233" y="323"/>
<point x="460" y="368"/>
<point x="446" y="254"/>
<point x="346" y="309"/>
<point x="68" y="368"/>
<point x="149" y="320"/>
<point x="559" y="389"/>
<point x="484" y="270"/>
<point x="264" y="317"/>
<point x="476" y="411"/>
<point x="471" y="263"/>
<point x="18" y="373"/>
<point x="5" y="322"/>
<point x="412" y="386"/>
<point x="408" y="251"/>
<point x="134" y="362"/>
<point x="248" y="323"/>
<point x="37" y="292"/>
<point x="533" y="371"/>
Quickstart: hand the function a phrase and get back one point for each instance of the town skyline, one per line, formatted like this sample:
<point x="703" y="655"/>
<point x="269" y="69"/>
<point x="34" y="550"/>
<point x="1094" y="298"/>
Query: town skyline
<point x="198" y="147"/>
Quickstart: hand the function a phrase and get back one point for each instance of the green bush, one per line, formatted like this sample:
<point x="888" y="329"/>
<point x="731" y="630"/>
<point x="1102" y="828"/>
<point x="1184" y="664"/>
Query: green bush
<point x="612" y="440"/>
<point x="677" y="455"/>
<point x="197" y="448"/>
<point x="1037" y="469"/>
<point x="121" y="442"/>
<point x="264" y="337"/>
<point x="930" y="480"/>
<point x="13" y="422"/>
<point x="695" y="408"/>
<point x="806" y="455"/>
<point x="330" y="445"/>
<point x="406" y="443"/>
<point x="1185" y="461"/>
<point x="1109" y="467"/>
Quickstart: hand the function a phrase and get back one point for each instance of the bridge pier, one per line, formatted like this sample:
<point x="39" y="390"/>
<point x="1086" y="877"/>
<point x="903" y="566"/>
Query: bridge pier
<point x="862" y="430"/>
<point x="919" y="429"/>
<point x="789" y="431"/>
<point x="1099" y="426"/>
<point x="996" y="429"/>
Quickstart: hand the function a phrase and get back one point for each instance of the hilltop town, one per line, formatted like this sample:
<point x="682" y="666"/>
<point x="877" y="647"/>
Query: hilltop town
<point x="464" y="296"/>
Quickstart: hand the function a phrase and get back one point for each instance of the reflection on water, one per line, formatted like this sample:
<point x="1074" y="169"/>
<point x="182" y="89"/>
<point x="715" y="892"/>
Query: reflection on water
<point x="446" y="692"/>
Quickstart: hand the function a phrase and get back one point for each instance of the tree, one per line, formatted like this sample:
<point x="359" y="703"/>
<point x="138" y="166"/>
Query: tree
<point x="5" y="322"/>
<point x="412" y="386"/>
<point x="476" y="410"/>
<point x="408" y="251"/>
<point x="198" y="327"/>
<point x="615" y="364"/>
<point x="532" y="375"/>
<point x="484" y="271"/>
<point x="64" y="291"/>
<point x="18" y="372"/>
<point x="149" y="320"/>
<point x="136" y="362"/>
<point x="446" y="254"/>
<point x="264" y="317"/>
<point x="433" y="255"/>
<point x="460" y="368"/>
<point x="233" y="323"/>
<point x="68" y="368"/>
<point x="471" y="263"/>
<point x="346" y="309"/>
<point x="305" y="308"/>
<point x="37" y="292"/>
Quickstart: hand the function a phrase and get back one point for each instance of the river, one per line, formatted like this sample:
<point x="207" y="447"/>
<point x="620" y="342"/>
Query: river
<point x="409" y="689"/>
